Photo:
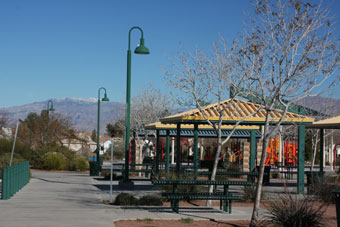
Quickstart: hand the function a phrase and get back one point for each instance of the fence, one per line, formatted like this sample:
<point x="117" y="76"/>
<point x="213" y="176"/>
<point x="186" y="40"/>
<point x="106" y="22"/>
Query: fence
<point x="14" y="178"/>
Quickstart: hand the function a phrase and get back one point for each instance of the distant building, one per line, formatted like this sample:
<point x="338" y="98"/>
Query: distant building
<point x="82" y="144"/>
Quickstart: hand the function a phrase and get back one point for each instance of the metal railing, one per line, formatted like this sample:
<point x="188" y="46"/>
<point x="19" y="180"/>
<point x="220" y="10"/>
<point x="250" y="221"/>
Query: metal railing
<point x="14" y="178"/>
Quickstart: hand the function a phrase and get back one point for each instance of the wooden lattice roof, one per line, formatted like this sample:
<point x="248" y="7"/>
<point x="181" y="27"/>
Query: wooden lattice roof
<point x="159" y="125"/>
<point x="236" y="110"/>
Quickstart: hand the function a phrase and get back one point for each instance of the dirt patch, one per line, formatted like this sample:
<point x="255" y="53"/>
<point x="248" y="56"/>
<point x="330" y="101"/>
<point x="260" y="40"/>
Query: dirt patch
<point x="180" y="223"/>
<point x="330" y="218"/>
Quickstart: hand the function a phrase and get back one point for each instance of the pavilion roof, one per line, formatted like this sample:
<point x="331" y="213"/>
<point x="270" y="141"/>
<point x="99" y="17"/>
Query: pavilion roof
<point x="159" y="125"/>
<point x="329" y="123"/>
<point x="236" y="110"/>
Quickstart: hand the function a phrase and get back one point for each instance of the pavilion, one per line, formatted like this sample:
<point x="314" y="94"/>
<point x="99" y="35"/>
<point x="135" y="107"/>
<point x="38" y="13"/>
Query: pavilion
<point x="250" y="114"/>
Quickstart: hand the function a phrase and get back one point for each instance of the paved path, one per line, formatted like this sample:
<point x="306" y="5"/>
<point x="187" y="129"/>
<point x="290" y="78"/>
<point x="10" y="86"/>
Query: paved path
<point x="73" y="199"/>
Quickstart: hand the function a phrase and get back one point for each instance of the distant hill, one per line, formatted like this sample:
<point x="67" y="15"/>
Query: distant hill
<point x="328" y="106"/>
<point x="82" y="112"/>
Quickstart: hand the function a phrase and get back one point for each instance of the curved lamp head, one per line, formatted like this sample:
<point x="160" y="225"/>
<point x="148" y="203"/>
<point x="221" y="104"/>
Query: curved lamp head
<point x="52" y="108"/>
<point x="141" y="49"/>
<point x="105" y="99"/>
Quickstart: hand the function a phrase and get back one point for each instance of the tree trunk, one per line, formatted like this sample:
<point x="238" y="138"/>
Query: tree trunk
<point x="217" y="157"/>
<point x="254" y="217"/>
<point x="315" y="147"/>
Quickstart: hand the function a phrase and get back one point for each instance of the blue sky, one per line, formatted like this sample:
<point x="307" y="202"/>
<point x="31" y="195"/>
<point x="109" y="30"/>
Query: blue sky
<point x="70" y="48"/>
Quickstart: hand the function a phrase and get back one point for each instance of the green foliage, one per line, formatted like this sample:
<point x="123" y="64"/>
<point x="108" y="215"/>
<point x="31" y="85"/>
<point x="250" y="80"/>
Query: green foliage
<point x="182" y="188"/>
<point x="289" y="210"/>
<point x="275" y="174"/>
<point x="186" y="220"/>
<point x="118" y="150"/>
<point x="37" y="159"/>
<point x="115" y="130"/>
<point x="149" y="200"/>
<point x="125" y="199"/>
<point x="323" y="190"/>
<point x="249" y="193"/>
<point x="20" y="148"/>
<point x="54" y="161"/>
<point x="81" y="164"/>
<point x="94" y="135"/>
<point x="5" y="159"/>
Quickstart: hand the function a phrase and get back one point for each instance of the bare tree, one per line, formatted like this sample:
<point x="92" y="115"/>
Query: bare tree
<point x="202" y="78"/>
<point x="296" y="56"/>
<point x="149" y="106"/>
<point x="287" y="54"/>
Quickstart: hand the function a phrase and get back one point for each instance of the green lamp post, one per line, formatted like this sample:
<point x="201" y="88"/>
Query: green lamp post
<point x="141" y="49"/>
<point x="105" y="99"/>
<point x="48" y="109"/>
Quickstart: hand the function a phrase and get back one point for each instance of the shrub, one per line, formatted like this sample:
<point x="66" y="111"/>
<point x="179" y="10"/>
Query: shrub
<point x="186" y="220"/>
<point x="275" y="174"/>
<point x="182" y="188"/>
<point x="118" y="150"/>
<point x="289" y="210"/>
<point x="125" y="199"/>
<point x="323" y="190"/>
<point x="5" y="158"/>
<point x="81" y="163"/>
<point x="149" y="200"/>
<point x="54" y="161"/>
<point x="37" y="159"/>
<point x="249" y="193"/>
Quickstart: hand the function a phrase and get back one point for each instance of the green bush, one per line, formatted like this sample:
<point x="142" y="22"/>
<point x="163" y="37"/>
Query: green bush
<point x="54" y="161"/>
<point x="149" y="200"/>
<point x="125" y="199"/>
<point x="5" y="159"/>
<point x="323" y="190"/>
<point x="275" y="174"/>
<point x="182" y="188"/>
<point x="37" y="159"/>
<point x="290" y="210"/>
<point x="81" y="163"/>
<point x="118" y="150"/>
<point x="20" y="148"/>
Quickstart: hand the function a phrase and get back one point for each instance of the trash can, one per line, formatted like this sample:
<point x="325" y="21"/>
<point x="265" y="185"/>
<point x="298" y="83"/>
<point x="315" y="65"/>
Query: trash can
<point x="313" y="178"/>
<point x="94" y="168"/>
<point x="337" y="203"/>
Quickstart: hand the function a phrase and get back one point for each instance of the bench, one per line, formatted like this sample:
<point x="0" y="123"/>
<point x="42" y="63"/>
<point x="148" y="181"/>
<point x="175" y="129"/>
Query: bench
<point x="224" y="197"/>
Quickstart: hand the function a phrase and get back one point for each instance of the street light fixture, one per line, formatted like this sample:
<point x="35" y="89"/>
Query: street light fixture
<point x="141" y="49"/>
<point x="105" y="99"/>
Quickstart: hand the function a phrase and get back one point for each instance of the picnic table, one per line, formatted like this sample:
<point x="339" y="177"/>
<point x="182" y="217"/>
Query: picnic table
<point x="225" y="197"/>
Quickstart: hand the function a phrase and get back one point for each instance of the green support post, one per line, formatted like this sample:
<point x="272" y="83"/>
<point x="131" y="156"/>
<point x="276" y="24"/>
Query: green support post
<point x="195" y="150"/>
<point x="252" y="150"/>
<point x="4" y="183"/>
<point x="157" y="152"/>
<point x="322" y="134"/>
<point x="167" y="153"/>
<point x="178" y="149"/>
<point x="301" y="163"/>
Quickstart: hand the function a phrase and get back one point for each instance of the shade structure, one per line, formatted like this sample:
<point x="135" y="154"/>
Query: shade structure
<point x="329" y="123"/>
<point x="236" y="110"/>
<point x="245" y="113"/>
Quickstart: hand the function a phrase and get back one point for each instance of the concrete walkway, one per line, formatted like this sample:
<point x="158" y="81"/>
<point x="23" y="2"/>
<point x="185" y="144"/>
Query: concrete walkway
<point x="73" y="199"/>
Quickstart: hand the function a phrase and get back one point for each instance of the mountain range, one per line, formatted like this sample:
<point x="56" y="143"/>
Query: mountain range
<point x="83" y="112"/>
<point x="80" y="111"/>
